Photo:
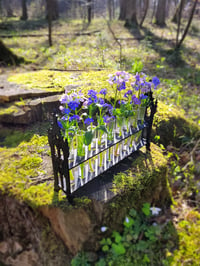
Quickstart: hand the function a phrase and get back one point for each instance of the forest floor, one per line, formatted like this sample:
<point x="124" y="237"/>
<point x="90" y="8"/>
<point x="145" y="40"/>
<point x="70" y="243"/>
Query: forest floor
<point x="78" y="49"/>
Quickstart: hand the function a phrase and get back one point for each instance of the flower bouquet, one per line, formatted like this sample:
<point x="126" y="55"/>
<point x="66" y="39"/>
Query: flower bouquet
<point x="99" y="128"/>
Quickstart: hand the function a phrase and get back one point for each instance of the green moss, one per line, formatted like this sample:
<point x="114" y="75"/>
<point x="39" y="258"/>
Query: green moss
<point x="44" y="80"/>
<point x="56" y="81"/>
<point x="19" y="165"/>
<point x="10" y="109"/>
<point x="145" y="181"/>
<point x="188" y="252"/>
<point x="13" y="107"/>
<point x="172" y="125"/>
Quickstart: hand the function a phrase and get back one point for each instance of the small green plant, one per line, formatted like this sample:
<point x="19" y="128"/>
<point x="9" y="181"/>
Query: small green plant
<point x="137" y="66"/>
<point x="139" y="243"/>
<point x="80" y="259"/>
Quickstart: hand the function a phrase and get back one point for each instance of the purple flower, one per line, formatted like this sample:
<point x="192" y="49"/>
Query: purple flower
<point x="146" y="87"/>
<point x="74" y="117"/>
<point x="129" y="92"/>
<point x="107" y="119"/>
<point x="112" y="79"/>
<point x="137" y="77"/>
<point x="66" y="111"/>
<point x="103" y="92"/>
<point x="64" y="118"/>
<point x="92" y="93"/>
<point x="121" y="86"/>
<point x="92" y="100"/>
<point x="60" y="124"/>
<point x="85" y="103"/>
<point x="73" y="105"/>
<point x="121" y="102"/>
<point x="101" y="101"/>
<point x="136" y="100"/>
<point x="142" y="96"/>
<point x="78" y="96"/>
<point x="65" y="99"/>
<point x="110" y="107"/>
<point x="155" y="81"/>
<point x="88" y="121"/>
<point x="123" y="76"/>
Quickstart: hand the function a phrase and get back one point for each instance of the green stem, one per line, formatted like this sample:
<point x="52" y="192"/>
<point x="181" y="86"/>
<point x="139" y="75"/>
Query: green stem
<point x="82" y="170"/>
<point x="109" y="154"/>
<point x="116" y="149"/>
<point x="90" y="165"/>
<point x="101" y="159"/>
<point x="71" y="175"/>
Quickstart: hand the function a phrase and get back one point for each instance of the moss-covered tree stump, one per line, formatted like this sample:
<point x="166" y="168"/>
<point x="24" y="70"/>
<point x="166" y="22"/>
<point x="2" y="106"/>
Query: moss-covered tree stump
<point x="7" y="57"/>
<point x="172" y="126"/>
<point x="145" y="181"/>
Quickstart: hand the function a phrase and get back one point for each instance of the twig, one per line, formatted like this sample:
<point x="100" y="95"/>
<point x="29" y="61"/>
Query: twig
<point x="192" y="155"/>
<point x="117" y="40"/>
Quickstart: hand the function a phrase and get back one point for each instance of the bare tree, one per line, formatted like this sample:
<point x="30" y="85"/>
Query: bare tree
<point x="52" y="8"/>
<point x="179" y="42"/>
<point x="7" y="5"/>
<point x="89" y="11"/>
<point x="131" y="13"/>
<point x="179" y="16"/>
<point x="111" y="8"/>
<point x="161" y="13"/>
<point x="24" y="15"/>
<point x="145" y="9"/>
<point x="1" y="8"/>
<point x="49" y="18"/>
<point x="179" y="6"/>
<point x="122" y="5"/>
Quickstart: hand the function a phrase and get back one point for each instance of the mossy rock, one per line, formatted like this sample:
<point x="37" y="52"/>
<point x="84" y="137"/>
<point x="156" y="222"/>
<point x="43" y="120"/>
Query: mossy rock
<point x="48" y="80"/>
<point x="145" y="181"/>
<point x="172" y="126"/>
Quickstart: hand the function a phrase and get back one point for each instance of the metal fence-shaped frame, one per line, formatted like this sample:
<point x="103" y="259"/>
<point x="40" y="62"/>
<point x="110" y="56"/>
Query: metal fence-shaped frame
<point x="60" y="151"/>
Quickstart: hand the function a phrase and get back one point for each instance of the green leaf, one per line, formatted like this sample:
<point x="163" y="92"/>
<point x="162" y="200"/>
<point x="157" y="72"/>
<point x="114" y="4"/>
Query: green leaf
<point x="146" y="259"/>
<point x="117" y="237"/>
<point x="146" y="209"/>
<point x="88" y="137"/>
<point x="142" y="245"/>
<point x="118" y="249"/>
<point x="102" y="128"/>
<point x="105" y="248"/>
<point x="128" y="222"/>
<point x="133" y="213"/>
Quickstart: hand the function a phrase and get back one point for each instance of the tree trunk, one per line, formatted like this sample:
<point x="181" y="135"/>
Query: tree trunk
<point x="7" y="57"/>
<point x="177" y="11"/>
<point x="9" y="12"/>
<point x="122" y="6"/>
<point x="1" y="9"/>
<point x="161" y="13"/>
<point x="179" y="16"/>
<point x="89" y="11"/>
<point x="131" y="11"/>
<point x="49" y="18"/>
<point x="52" y="8"/>
<point x="24" y="10"/>
<point x="110" y="4"/>
<point x="146" y="6"/>
<point x="188" y="25"/>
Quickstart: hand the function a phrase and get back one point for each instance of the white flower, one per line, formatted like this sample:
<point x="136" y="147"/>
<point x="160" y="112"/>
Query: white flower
<point x="155" y="210"/>
<point x="103" y="229"/>
<point x="127" y="220"/>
